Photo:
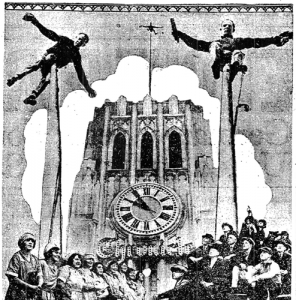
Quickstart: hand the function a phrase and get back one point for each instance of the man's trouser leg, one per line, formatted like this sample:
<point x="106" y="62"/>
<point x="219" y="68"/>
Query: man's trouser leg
<point x="235" y="276"/>
<point x="28" y="70"/>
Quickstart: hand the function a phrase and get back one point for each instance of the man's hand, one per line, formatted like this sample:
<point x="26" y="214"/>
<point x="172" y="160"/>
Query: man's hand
<point x="243" y="266"/>
<point x="29" y="17"/>
<point x="91" y="93"/>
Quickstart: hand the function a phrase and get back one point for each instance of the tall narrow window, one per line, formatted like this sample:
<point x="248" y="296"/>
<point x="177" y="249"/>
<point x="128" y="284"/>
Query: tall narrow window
<point x="147" y="151"/>
<point x="175" y="150"/>
<point x="118" y="158"/>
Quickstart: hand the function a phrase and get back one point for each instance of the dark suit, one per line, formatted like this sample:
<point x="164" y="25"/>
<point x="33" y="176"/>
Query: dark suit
<point x="228" y="251"/>
<point x="201" y="251"/>
<point x="251" y="260"/>
<point x="284" y="262"/>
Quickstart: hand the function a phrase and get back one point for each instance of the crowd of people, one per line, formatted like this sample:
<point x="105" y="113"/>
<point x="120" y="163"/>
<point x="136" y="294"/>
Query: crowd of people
<point x="247" y="263"/>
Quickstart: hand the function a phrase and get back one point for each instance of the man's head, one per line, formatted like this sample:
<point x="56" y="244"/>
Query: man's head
<point x="262" y="223"/>
<point x="81" y="40"/>
<point x="207" y="239"/>
<point x="226" y="228"/>
<point x="247" y="243"/>
<point x="232" y="238"/>
<point x="281" y="246"/>
<point x="178" y="271"/>
<point x="215" y="250"/>
<point x="227" y="28"/>
<point x="265" y="253"/>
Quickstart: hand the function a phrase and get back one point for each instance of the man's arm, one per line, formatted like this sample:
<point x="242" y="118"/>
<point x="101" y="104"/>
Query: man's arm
<point x="198" y="45"/>
<point x="46" y="32"/>
<point x="274" y="270"/>
<point x="82" y="78"/>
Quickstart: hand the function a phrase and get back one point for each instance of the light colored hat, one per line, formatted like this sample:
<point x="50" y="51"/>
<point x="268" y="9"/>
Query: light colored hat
<point x="24" y="237"/>
<point x="50" y="246"/>
<point x="179" y="268"/>
<point x="88" y="256"/>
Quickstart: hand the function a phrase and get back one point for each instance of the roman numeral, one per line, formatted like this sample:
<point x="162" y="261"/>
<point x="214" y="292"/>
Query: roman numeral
<point x="127" y="217"/>
<point x="168" y="207"/>
<point x="146" y="191"/>
<point x="156" y="193"/>
<point x="135" y="224"/>
<point x="164" y="216"/>
<point x="157" y="224"/>
<point x="164" y="199"/>
<point x="146" y="225"/>
<point x="125" y="208"/>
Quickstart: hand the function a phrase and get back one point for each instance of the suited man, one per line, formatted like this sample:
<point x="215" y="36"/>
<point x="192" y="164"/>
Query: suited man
<point x="182" y="289"/>
<point x="284" y="260"/>
<point x="226" y="229"/>
<point x="197" y="254"/>
<point x="211" y="281"/>
<point x="242" y="265"/>
<point x="231" y="248"/>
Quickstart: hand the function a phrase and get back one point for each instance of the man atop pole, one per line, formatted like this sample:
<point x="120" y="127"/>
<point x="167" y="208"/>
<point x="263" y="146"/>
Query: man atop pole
<point x="65" y="51"/>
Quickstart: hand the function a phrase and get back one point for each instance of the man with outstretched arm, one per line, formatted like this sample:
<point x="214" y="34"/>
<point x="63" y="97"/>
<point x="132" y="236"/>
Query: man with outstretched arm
<point x="62" y="53"/>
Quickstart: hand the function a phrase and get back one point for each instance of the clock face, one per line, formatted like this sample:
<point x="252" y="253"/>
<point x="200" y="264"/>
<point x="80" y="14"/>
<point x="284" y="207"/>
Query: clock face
<point x="147" y="209"/>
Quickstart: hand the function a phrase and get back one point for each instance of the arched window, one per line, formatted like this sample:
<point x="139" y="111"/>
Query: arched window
<point x="147" y="151"/>
<point x="175" y="150"/>
<point x="119" y="151"/>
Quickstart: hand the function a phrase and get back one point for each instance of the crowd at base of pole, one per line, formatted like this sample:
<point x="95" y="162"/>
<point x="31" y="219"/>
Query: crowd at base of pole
<point x="247" y="263"/>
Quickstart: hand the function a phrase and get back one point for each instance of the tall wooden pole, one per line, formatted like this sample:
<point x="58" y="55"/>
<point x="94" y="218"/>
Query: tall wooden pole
<point x="226" y="210"/>
<point x="51" y="213"/>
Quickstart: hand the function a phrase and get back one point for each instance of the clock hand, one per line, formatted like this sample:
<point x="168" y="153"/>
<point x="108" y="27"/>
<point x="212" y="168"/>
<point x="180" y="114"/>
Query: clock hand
<point x="141" y="201"/>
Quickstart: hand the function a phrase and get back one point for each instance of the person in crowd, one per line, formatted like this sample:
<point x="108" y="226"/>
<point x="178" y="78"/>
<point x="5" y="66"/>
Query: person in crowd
<point x="242" y="264"/>
<point x="231" y="248"/>
<point x="283" y="258"/>
<point x="24" y="271"/>
<point x="123" y="269"/>
<point x="260" y="234"/>
<point x="141" y="291"/>
<point x="112" y="278"/>
<point x="70" y="283"/>
<point x="265" y="278"/>
<point x="270" y="239"/>
<point x="131" y="280"/>
<point x="64" y="51"/>
<point x="50" y="266"/>
<point x="226" y="229"/>
<point x="102" y="285"/>
<point x="212" y="281"/>
<point x="248" y="228"/>
<point x="182" y="289"/>
<point x="197" y="254"/>
<point x="284" y="236"/>
<point x="89" y="277"/>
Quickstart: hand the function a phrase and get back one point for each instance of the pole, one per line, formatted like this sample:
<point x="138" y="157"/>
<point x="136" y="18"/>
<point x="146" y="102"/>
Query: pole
<point x="51" y="222"/>
<point x="150" y="67"/>
<point x="226" y="207"/>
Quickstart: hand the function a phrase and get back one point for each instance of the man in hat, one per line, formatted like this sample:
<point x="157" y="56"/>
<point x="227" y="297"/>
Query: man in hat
<point x="226" y="229"/>
<point x="24" y="272"/>
<point x="197" y="254"/>
<point x="212" y="279"/>
<point x="50" y="266"/>
<point x="231" y="248"/>
<point x="182" y="289"/>
<point x="265" y="277"/>
<point x="260" y="234"/>
<point x="242" y="265"/>
<point x="65" y="51"/>
<point x="223" y="49"/>
<point x="284" y="260"/>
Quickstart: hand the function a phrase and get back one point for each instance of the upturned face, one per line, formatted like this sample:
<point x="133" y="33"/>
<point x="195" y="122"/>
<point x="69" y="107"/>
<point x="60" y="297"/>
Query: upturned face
<point x="213" y="252"/>
<point x="76" y="262"/>
<point x="123" y="268"/>
<point x="226" y="28"/>
<point x="246" y="245"/>
<point x="28" y="244"/>
<point x="80" y="40"/>
<point x="176" y="275"/>
<point x="114" y="267"/>
<point x="260" y="224"/>
<point x="226" y="229"/>
<point x="99" y="269"/>
<point x="264" y="256"/>
<point x="280" y="248"/>
<point x="205" y="241"/>
<point x="231" y="239"/>
<point x="89" y="262"/>
<point x="56" y="255"/>
<point x="132" y="275"/>
<point x="141" y="276"/>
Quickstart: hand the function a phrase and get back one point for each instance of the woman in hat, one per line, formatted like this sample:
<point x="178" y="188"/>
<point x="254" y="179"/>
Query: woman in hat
<point x="50" y="266"/>
<point x="70" y="283"/>
<point x="103" y="287"/>
<point x="112" y="277"/>
<point x="24" y="271"/>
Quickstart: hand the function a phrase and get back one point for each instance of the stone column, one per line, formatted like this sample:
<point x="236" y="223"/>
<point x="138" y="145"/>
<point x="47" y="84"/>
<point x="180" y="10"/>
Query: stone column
<point x="160" y="143"/>
<point x="226" y="194"/>
<point x="133" y="145"/>
<point x="51" y="214"/>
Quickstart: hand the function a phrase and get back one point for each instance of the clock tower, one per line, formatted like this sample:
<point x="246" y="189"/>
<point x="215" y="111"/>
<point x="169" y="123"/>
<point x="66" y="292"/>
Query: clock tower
<point x="146" y="190"/>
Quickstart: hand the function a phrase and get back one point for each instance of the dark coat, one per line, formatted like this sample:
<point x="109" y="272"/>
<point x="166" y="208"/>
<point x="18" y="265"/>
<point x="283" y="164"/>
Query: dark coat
<point x="196" y="253"/>
<point x="252" y="260"/>
<point x="227" y="251"/>
<point x="285" y="263"/>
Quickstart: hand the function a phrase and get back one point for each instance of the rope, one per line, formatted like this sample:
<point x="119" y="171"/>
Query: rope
<point x="240" y="88"/>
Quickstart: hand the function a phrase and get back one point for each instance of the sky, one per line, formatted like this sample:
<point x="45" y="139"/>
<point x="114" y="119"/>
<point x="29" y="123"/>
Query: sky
<point x="131" y="81"/>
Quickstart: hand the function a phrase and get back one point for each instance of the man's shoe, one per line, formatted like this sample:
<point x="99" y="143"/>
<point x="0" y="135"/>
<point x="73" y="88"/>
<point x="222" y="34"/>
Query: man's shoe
<point x="11" y="81"/>
<point x="216" y="69"/>
<point x="31" y="100"/>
